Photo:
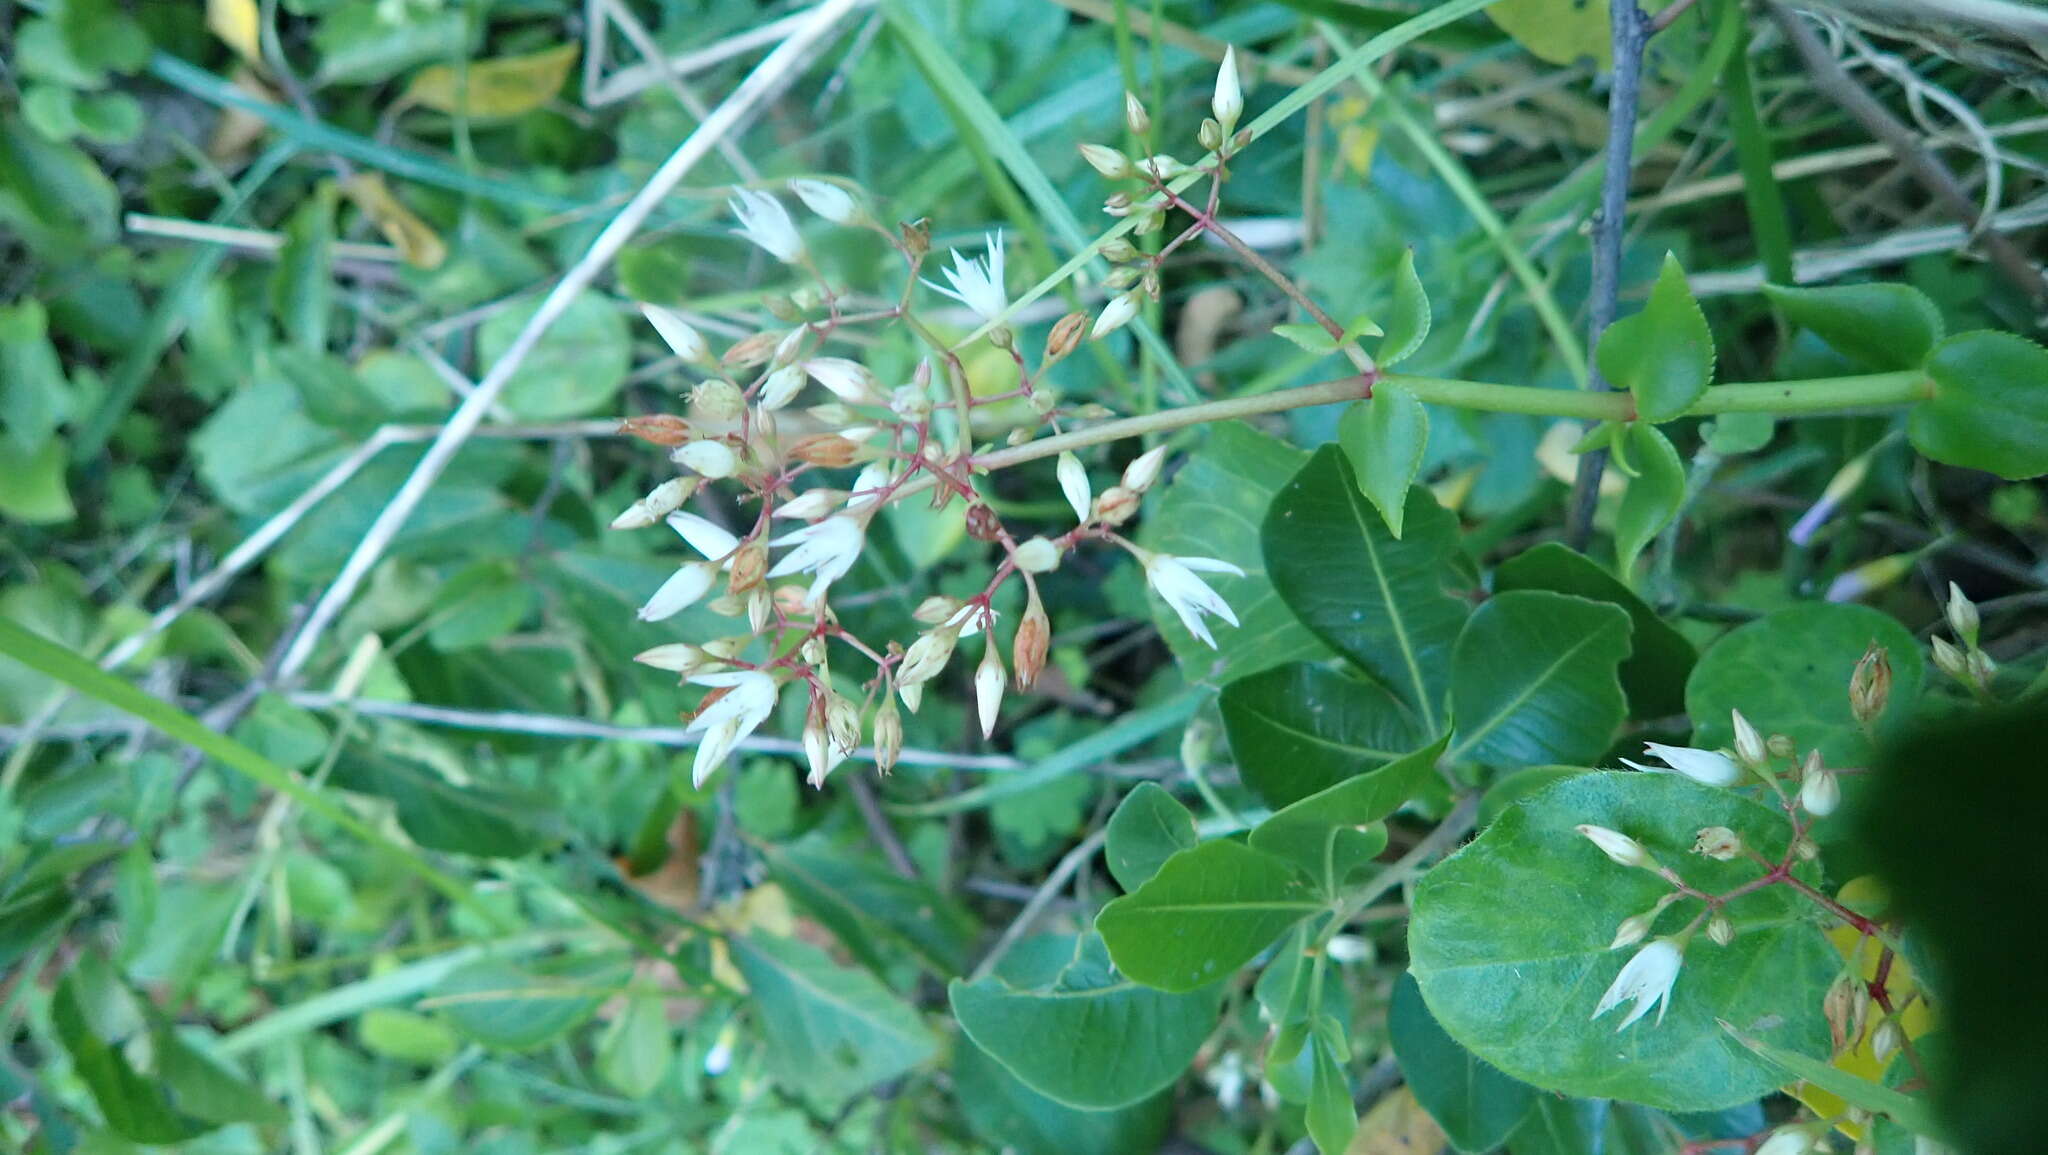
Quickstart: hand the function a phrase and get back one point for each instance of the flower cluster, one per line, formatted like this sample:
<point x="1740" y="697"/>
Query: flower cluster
<point x="791" y="448"/>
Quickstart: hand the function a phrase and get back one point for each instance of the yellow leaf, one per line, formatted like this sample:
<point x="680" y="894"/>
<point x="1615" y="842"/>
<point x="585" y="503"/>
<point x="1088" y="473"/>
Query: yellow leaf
<point x="1559" y="31"/>
<point x="500" y="88"/>
<point x="1865" y="895"/>
<point x="1397" y="1125"/>
<point x="236" y="22"/>
<point x="414" y="239"/>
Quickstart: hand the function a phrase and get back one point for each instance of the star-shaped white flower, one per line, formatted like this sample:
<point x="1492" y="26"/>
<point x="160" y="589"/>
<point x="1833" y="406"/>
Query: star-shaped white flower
<point x="765" y="222"/>
<point x="1709" y="767"/>
<point x="978" y="281"/>
<point x="1647" y="978"/>
<point x="1173" y="578"/>
<point x="824" y="549"/>
<point x="748" y="700"/>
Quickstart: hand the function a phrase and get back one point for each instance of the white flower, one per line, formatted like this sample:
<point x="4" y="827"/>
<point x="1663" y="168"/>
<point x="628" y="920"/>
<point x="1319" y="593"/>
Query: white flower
<point x="1820" y="793"/>
<point x="1710" y="767"/>
<point x="1647" y="979"/>
<point x="683" y="338"/>
<point x="706" y="537"/>
<point x="747" y="702"/>
<point x="781" y="387"/>
<point x="868" y="485"/>
<point x="713" y="459"/>
<point x="1787" y="1141"/>
<point x="988" y="687"/>
<point x="1173" y="578"/>
<point x="680" y="591"/>
<point x="830" y="201"/>
<point x="1228" y="102"/>
<point x="1115" y="316"/>
<point x="826" y="550"/>
<point x="978" y="282"/>
<point x="848" y="380"/>
<point x="1074" y="484"/>
<point x="1616" y="845"/>
<point x="765" y="222"/>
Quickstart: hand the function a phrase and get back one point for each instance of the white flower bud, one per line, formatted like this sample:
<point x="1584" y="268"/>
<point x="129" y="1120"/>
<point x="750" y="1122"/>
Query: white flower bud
<point x="850" y="381"/>
<point x="1074" y="484"/>
<point x="718" y="400"/>
<point x="1037" y="555"/>
<point x="1106" y="160"/>
<point x="713" y="459"/>
<point x="682" y="338"/>
<point x="926" y="657"/>
<point x="680" y="591"/>
<point x="1633" y="929"/>
<point x="1135" y="116"/>
<point x="1950" y="660"/>
<point x="1161" y="167"/>
<point x="1962" y="615"/>
<point x="781" y="387"/>
<point x="1617" y="846"/>
<point x="811" y="504"/>
<point x="1886" y="1039"/>
<point x="937" y="610"/>
<point x="1821" y="792"/>
<point x="1114" y="316"/>
<point x="1749" y="745"/>
<point x="1144" y="470"/>
<point x="1228" y="101"/>
<point x="988" y="687"/>
<point x="676" y="657"/>
<point x="1720" y="929"/>
<point x="888" y="735"/>
<point x="830" y="201"/>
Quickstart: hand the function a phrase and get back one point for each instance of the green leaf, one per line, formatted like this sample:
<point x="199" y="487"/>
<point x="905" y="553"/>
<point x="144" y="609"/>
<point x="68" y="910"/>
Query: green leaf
<point x="1213" y="509"/>
<point x="1509" y="941"/>
<point x="1332" y="1118"/>
<point x="1660" y="657"/>
<point x="474" y="819"/>
<point x="1876" y="1098"/>
<point x="35" y="397"/>
<point x="479" y="605"/>
<point x="1384" y="438"/>
<point x="509" y="1007"/>
<point x="1007" y="1114"/>
<point x="869" y="907"/>
<point x="32" y="489"/>
<point x="1377" y="599"/>
<point x="302" y="284"/>
<point x="406" y="1036"/>
<point x="1990" y="405"/>
<point x="1335" y="833"/>
<point x="1952" y="817"/>
<point x="1407" y="323"/>
<point x="832" y="1032"/>
<point x="577" y="367"/>
<point x="634" y="1054"/>
<point x="1664" y="354"/>
<point x="1789" y="673"/>
<point x="202" y="1087"/>
<point x="1206" y="913"/>
<point x="1557" y="31"/>
<point x="1299" y="729"/>
<point x="1654" y="494"/>
<point x="1309" y="336"/>
<point x="1477" y="1106"/>
<point x="1880" y="326"/>
<point x="1533" y="679"/>
<point x="1149" y="827"/>
<point x="1088" y="1038"/>
<point x="134" y="1106"/>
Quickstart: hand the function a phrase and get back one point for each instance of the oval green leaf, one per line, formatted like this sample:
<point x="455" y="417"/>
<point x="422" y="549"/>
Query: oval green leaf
<point x="1533" y="679"/>
<point x="1149" y="827"/>
<point x="1477" y="1106"/>
<point x="1990" y="405"/>
<point x="1206" y="913"/>
<point x="1879" y="326"/>
<point x="1299" y="729"/>
<point x="1664" y="355"/>
<point x="1385" y="437"/>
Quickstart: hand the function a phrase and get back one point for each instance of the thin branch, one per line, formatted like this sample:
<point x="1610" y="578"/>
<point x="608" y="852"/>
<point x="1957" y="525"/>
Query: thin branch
<point x="767" y="79"/>
<point x="637" y="35"/>
<point x="1932" y="173"/>
<point x="1629" y="30"/>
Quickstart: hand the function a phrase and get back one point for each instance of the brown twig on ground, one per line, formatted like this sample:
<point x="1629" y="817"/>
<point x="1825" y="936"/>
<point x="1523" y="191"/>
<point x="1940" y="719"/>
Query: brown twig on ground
<point x="1932" y="173"/>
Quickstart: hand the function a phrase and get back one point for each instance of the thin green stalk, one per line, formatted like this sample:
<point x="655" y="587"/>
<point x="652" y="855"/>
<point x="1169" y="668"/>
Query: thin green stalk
<point x="1769" y="223"/>
<point x="1462" y="186"/>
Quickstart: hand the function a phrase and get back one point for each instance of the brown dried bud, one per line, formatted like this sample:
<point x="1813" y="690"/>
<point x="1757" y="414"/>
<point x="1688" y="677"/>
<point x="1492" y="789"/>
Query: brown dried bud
<point x="1066" y="336"/>
<point x="663" y="429"/>
<point x="749" y="566"/>
<point x="917" y="237"/>
<point x="1843" y="1008"/>
<point x="827" y="449"/>
<point x="982" y="523"/>
<point x="1115" y="505"/>
<point x="1034" y="638"/>
<point x="791" y="600"/>
<point x="748" y="351"/>
<point x="1870" y="686"/>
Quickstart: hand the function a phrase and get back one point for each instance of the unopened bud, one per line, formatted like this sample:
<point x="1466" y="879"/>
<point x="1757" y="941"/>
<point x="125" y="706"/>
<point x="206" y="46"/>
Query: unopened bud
<point x="1115" y="315"/>
<point x="1844" y="1007"/>
<point x="727" y="605"/>
<point x="1950" y="660"/>
<point x="1962" y="616"/>
<point x="917" y="237"/>
<point x="1617" y="846"/>
<point x="681" y="337"/>
<point x="888" y="736"/>
<point x="926" y="656"/>
<point x="712" y="459"/>
<point x="1720" y="929"/>
<point x="1870" y="684"/>
<point x="1749" y="745"/>
<point x="827" y="449"/>
<point x="782" y="308"/>
<point x="1821" y="792"/>
<point x="751" y="350"/>
<point x="1144" y="469"/>
<point x="1073" y="479"/>
<point x="1066" y="336"/>
<point x="1038" y="555"/>
<point x="1718" y="843"/>
<point x="1806" y="848"/>
<point x="718" y="400"/>
<point x="760" y="603"/>
<point x="663" y="429"/>
<point x="1122" y="277"/>
<point x="1632" y="930"/>
<point x="1980" y="667"/>
<point x="1109" y="162"/>
<point x="1135" y="117"/>
<point x="1117" y="204"/>
<point x="749" y="566"/>
<point x="1161" y="167"/>
<point x="781" y="387"/>
<point x="1115" y="506"/>
<point x="1210" y="136"/>
<point x="1118" y="251"/>
<point x="828" y="200"/>
<point x="1228" y="101"/>
<point x="988" y="687"/>
<point x="1034" y="637"/>
<point x="937" y="610"/>
<point x="1886" y="1039"/>
<point x="675" y="657"/>
<point x="1781" y="746"/>
<point x="811" y="504"/>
